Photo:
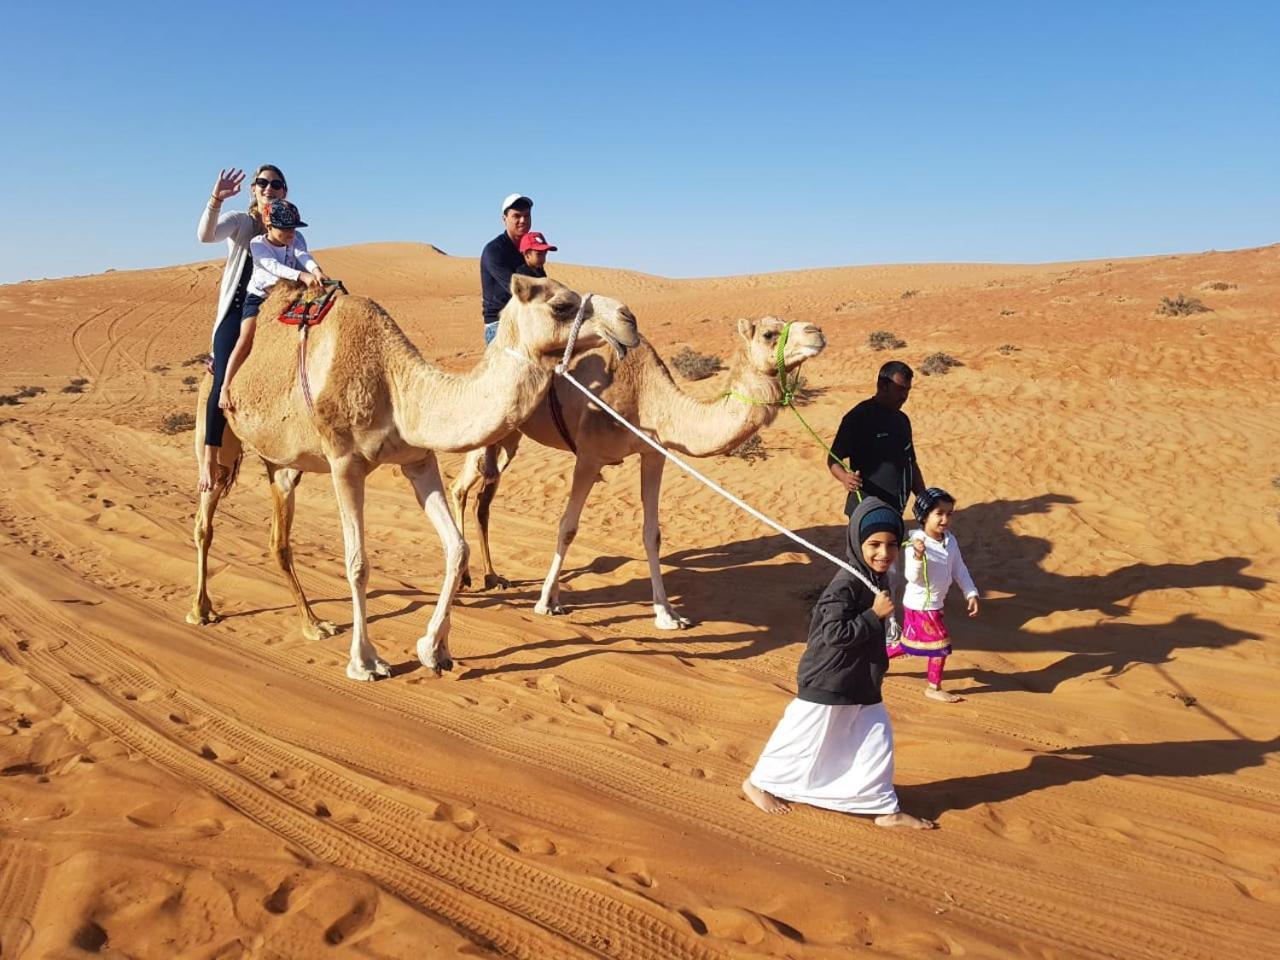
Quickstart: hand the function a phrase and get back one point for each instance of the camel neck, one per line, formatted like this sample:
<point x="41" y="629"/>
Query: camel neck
<point x="457" y="412"/>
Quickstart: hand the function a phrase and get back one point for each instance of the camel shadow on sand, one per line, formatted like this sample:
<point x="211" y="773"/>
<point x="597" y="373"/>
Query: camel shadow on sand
<point x="725" y="583"/>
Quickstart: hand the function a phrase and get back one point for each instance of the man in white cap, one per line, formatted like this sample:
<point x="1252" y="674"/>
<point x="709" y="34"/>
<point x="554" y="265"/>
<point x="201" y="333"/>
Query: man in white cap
<point x="501" y="258"/>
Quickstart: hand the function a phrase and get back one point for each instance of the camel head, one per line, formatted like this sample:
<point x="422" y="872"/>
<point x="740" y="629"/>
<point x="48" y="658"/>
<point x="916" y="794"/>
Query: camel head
<point x="541" y="312"/>
<point x="804" y="340"/>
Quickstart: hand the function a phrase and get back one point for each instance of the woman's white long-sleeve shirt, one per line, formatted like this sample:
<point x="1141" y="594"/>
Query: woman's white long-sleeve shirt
<point x="272" y="263"/>
<point x="928" y="580"/>
<point x="237" y="228"/>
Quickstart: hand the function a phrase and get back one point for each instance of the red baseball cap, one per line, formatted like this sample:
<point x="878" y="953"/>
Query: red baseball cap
<point x="535" y="241"/>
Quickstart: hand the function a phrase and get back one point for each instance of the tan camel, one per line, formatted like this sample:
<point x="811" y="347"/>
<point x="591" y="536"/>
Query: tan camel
<point x="376" y="401"/>
<point x="641" y="389"/>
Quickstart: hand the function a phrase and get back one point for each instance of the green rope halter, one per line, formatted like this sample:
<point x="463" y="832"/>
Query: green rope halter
<point x="788" y="399"/>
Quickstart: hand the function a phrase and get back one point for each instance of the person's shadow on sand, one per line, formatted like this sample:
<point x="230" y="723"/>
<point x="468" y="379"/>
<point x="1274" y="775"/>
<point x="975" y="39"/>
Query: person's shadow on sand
<point x="1056" y="768"/>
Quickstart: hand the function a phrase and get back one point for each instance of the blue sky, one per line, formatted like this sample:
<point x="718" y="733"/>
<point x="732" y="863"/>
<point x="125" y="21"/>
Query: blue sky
<point x="674" y="138"/>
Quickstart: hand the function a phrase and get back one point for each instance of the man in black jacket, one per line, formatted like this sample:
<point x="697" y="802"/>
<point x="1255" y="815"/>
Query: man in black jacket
<point x="501" y="258"/>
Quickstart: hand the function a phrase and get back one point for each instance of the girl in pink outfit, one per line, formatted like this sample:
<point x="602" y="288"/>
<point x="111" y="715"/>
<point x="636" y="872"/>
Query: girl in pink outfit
<point x="933" y="563"/>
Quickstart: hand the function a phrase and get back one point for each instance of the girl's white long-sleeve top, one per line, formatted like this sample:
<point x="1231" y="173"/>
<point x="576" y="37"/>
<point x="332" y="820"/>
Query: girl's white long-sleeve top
<point x="928" y="580"/>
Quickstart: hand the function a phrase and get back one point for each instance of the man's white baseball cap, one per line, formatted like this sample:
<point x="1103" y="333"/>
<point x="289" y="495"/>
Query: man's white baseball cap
<point x="512" y="200"/>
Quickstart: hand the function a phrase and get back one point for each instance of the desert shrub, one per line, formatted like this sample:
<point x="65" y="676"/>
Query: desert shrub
<point x="1275" y="482"/>
<point x="75" y="386"/>
<point x="159" y="368"/>
<point x="177" y="423"/>
<point x="9" y="400"/>
<point x="80" y="382"/>
<point x="1006" y="312"/>
<point x="191" y="383"/>
<point x="750" y="449"/>
<point x="1007" y="348"/>
<point x="938" y="363"/>
<point x="1217" y="285"/>
<point x="908" y="294"/>
<point x="884" y="340"/>
<point x="192" y="361"/>
<point x="693" y="365"/>
<point x="25" y="392"/>
<point x="1180" y="306"/>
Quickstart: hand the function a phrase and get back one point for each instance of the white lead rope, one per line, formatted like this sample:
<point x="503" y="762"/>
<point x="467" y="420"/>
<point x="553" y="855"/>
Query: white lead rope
<point x="563" y="370"/>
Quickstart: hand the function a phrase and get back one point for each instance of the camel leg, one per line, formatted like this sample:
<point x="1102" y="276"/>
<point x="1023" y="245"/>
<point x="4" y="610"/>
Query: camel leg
<point x="284" y="482"/>
<point x="458" y="492"/>
<point x="202" y="611"/>
<point x="585" y="474"/>
<point x="428" y="487"/>
<point x="484" y="500"/>
<point x="664" y="615"/>
<point x="348" y="485"/>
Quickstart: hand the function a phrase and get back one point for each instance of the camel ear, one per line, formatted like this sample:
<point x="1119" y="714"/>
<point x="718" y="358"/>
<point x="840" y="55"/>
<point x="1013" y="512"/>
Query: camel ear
<point x="527" y="289"/>
<point x="747" y="329"/>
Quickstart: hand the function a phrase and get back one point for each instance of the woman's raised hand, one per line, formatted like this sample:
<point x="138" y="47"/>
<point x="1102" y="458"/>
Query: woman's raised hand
<point x="228" y="184"/>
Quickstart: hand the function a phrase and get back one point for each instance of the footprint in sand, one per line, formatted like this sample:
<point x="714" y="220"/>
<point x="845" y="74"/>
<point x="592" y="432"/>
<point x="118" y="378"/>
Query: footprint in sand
<point x="350" y="923"/>
<point x="530" y="846"/>
<point x="462" y="818"/>
<point x="634" y="869"/>
<point x="739" y="926"/>
<point x="91" y="937"/>
<point x="281" y="897"/>
<point x="224" y="753"/>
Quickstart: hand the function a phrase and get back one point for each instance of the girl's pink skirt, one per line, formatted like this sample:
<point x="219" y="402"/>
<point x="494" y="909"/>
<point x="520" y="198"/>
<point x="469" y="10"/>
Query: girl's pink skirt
<point x="924" y="633"/>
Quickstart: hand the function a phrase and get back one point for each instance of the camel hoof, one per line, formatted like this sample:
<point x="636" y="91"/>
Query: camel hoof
<point x="550" y="609"/>
<point x="358" y="671"/>
<point x="196" y="618"/>
<point x="319" y="629"/>
<point x="466" y="580"/>
<point x="493" y="581"/>
<point x="671" y="621"/>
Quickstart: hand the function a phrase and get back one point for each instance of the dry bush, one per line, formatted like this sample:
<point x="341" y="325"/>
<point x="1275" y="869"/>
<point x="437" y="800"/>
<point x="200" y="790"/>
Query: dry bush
<point x="159" y="368"/>
<point x="908" y="294"/>
<point x="198" y="358"/>
<point x="25" y="392"/>
<point x="191" y="383"/>
<point x="693" y="365"/>
<point x="884" y="340"/>
<point x="750" y="449"/>
<point x="1217" y="285"/>
<point x="1007" y="348"/>
<point x="1180" y="306"/>
<point x="9" y="400"/>
<point x="76" y="386"/>
<point x="1006" y="312"/>
<point x="177" y="423"/>
<point x="938" y="363"/>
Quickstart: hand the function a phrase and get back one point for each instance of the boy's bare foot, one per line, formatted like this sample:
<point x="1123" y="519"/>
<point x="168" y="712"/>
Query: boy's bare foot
<point x="763" y="799"/>
<point x="901" y="819"/>
<point x="937" y="693"/>
<point x="208" y="470"/>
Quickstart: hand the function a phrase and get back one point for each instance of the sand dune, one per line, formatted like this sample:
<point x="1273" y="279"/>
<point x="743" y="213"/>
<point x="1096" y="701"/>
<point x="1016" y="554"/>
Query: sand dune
<point x="1109" y="787"/>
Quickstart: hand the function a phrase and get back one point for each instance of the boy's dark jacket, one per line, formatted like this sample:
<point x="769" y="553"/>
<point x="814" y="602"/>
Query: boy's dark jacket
<point x="845" y="661"/>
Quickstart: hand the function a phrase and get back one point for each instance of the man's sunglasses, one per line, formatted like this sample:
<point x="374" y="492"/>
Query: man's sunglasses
<point x="262" y="183"/>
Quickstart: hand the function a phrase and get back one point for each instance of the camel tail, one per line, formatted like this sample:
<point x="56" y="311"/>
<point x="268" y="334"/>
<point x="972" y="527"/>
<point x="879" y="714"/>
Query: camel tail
<point x="234" y="473"/>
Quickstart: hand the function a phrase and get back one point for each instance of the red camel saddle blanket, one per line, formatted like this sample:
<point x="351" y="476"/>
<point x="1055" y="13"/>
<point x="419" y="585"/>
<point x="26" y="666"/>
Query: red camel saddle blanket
<point x="310" y="308"/>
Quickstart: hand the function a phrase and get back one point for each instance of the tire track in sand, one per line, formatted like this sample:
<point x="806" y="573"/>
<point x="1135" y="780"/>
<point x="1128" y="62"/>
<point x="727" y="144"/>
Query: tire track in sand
<point x="511" y="904"/>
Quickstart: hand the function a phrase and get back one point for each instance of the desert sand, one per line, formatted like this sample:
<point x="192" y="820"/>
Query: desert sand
<point x="1110" y="786"/>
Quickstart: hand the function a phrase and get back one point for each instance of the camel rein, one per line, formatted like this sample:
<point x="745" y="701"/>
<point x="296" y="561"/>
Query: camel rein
<point x="563" y="370"/>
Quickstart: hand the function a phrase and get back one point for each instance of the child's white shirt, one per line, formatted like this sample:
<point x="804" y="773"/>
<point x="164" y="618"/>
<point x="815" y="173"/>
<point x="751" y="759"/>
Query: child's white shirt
<point x="942" y="565"/>
<point x="272" y="263"/>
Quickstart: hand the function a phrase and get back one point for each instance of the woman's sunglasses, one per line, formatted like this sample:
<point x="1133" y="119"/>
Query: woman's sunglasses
<point x="262" y="183"/>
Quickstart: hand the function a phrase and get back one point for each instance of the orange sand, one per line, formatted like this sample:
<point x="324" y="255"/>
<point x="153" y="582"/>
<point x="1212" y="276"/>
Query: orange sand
<point x="1109" y="788"/>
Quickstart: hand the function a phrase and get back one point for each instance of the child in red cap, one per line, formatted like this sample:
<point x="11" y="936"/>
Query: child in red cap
<point x="534" y="247"/>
